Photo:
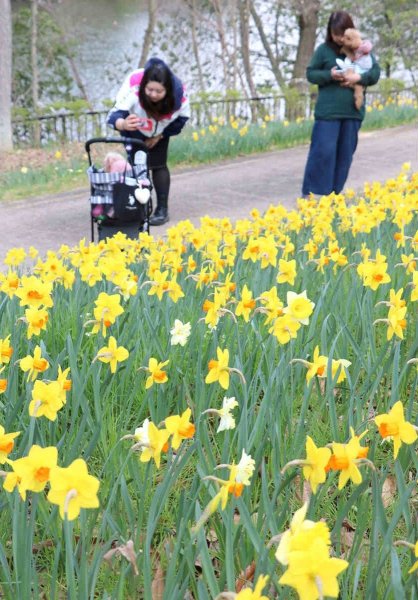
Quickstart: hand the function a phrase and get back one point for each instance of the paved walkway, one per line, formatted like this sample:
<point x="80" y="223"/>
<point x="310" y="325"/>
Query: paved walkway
<point x="230" y="188"/>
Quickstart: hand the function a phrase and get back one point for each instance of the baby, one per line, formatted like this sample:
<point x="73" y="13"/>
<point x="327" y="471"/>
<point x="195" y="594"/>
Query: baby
<point x="115" y="163"/>
<point x="358" y="52"/>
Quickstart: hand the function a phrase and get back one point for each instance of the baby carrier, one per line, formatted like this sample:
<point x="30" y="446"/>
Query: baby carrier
<point x="120" y="198"/>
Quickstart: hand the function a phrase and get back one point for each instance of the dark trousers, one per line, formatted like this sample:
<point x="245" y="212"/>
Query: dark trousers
<point x="333" y="144"/>
<point x="157" y="164"/>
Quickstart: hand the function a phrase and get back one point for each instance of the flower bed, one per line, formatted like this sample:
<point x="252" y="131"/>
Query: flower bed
<point x="228" y="411"/>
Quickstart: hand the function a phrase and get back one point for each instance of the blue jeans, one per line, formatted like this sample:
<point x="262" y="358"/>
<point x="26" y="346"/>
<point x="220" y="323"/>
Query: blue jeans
<point x="333" y="144"/>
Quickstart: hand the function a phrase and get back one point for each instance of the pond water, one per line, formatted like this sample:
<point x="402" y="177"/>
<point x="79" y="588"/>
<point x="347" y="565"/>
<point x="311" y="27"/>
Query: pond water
<point x="109" y="37"/>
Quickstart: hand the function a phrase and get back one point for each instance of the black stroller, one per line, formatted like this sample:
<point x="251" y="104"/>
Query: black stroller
<point x="120" y="200"/>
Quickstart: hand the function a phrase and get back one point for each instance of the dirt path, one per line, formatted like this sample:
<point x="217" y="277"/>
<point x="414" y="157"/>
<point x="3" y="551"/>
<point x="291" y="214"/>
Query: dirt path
<point x="231" y="188"/>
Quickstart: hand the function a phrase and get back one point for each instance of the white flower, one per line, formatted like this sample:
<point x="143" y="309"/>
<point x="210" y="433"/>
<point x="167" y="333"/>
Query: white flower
<point x="141" y="433"/>
<point x="180" y="333"/>
<point x="244" y="469"/>
<point x="227" y="420"/>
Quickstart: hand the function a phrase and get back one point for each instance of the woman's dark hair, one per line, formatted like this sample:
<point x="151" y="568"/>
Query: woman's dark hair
<point x="338" y="22"/>
<point x="160" y="73"/>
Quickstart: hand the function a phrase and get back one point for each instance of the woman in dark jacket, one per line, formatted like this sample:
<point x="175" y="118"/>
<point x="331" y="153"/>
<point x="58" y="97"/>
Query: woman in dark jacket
<point x="152" y="106"/>
<point x="337" y="121"/>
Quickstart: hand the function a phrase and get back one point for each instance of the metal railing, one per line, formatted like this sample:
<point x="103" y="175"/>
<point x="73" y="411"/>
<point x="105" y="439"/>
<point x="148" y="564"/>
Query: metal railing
<point x="69" y="126"/>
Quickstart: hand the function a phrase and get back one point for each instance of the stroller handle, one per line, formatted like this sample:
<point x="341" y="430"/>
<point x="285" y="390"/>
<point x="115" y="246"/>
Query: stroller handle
<point x="115" y="140"/>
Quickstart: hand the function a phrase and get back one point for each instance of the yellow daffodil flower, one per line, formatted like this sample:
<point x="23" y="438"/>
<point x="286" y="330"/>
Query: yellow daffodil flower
<point x="246" y="304"/>
<point x="107" y="309"/>
<point x="33" y="470"/>
<point x="255" y="594"/>
<point x="72" y="488"/>
<point x="6" y="350"/>
<point x="299" y="307"/>
<point x="415" y="565"/>
<point x="34" y="364"/>
<point x="47" y="400"/>
<point x="287" y="271"/>
<point x="6" y="443"/>
<point x="9" y="283"/>
<point x="313" y="573"/>
<point x="34" y="292"/>
<point x="180" y="428"/>
<point x="346" y="458"/>
<point x="315" y="463"/>
<point x="154" y="442"/>
<point x="15" y="257"/>
<point x="304" y="549"/>
<point x="65" y="383"/>
<point x="392" y="425"/>
<point x="219" y="369"/>
<point x="285" y="328"/>
<point x="112" y="354"/>
<point x="36" y="319"/>
<point x="157" y="375"/>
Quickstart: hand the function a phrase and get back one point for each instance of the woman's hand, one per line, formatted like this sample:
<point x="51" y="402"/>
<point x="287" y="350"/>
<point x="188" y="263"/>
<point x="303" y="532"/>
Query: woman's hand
<point x="129" y="124"/>
<point x="350" y="78"/>
<point x="336" y="74"/>
<point x="153" y="141"/>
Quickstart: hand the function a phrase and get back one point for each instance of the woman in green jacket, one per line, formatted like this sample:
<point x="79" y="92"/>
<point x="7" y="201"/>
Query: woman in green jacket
<point x="337" y="121"/>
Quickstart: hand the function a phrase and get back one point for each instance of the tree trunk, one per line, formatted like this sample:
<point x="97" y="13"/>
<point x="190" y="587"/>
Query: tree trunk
<point x="222" y="40"/>
<point x="267" y="47"/>
<point x="153" y="6"/>
<point x="6" y="138"/>
<point x="307" y="17"/>
<point x="196" y="53"/>
<point x="35" y="71"/>
<point x="244" y="13"/>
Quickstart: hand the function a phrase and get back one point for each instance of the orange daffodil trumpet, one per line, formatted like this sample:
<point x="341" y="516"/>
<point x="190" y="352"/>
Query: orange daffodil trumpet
<point x="219" y="370"/>
<point x="6" y="350"/>
<point x="180" y="428"/>
<point x="305" y="550"/>
<point x="156" y="372"/>
<point x="346" y="458"/>
<point x="239" y="477"/>
<point x="3" y="382"/>
<point x="392" y="426"/>
<point x="35" y="364"/>
<point x="6" y="443"/>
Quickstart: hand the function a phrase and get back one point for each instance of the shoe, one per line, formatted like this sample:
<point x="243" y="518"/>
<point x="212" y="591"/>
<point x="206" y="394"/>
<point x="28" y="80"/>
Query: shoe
<point x="159" y="217"/>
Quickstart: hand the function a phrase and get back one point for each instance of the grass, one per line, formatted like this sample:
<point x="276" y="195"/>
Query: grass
<point x="156" y="507"/>
<point x="219" y="141"/>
